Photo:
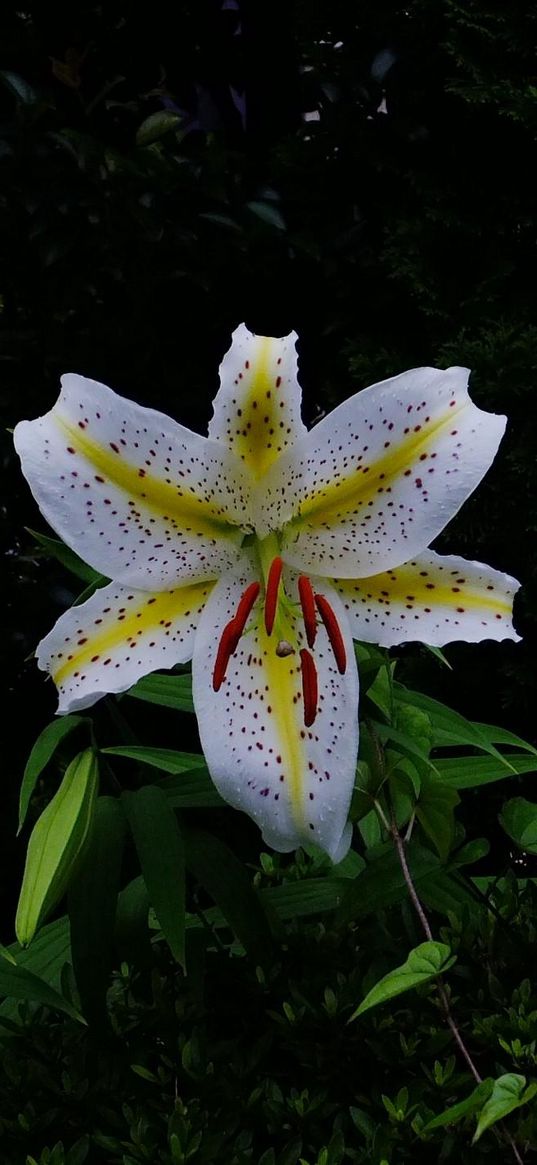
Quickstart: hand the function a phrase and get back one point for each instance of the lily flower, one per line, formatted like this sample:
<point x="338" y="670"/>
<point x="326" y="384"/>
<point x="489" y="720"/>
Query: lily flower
<point x="260" y="552"/>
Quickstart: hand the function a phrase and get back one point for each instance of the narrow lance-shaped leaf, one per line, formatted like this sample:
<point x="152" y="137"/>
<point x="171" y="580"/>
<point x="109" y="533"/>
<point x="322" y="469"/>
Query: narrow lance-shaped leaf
<point x="425" y="962"/>
<point x="450" y="729"/>
<point x="56" y="844"/>
<point x="19" y="983"/>
<point x="54" y="548"/>
<point x="165" y="759"/>
<point x="468" y="772"/>
<point x="508" y="1092"/>
<point x="92" y="902"/>
<point x="168" y="691"/>
<point x="42" y="751"/>
<point x="227" y="881"/>
<point x="191" y="790"/>
<point x="159" y="843"/>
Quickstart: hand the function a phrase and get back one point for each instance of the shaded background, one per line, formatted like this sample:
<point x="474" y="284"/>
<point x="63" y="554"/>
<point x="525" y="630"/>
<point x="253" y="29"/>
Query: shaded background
<point x="357" y="172"/>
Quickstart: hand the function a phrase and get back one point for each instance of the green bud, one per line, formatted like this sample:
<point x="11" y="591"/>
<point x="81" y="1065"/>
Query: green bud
<point x="56" y="844"/>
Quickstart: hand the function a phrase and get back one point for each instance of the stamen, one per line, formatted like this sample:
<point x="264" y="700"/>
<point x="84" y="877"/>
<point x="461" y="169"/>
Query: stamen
<point x="271" y="593"/>
<point x="333" y="631"/>
<point x="246" y="604"/>
<point x="307" y="602"/>
<point x="228" y="643"/>
<point x="232" y="633"/>
<point x="310" y="688"/>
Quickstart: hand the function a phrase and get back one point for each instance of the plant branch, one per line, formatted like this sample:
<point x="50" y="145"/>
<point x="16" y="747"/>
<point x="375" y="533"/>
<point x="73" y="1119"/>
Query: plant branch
<point x="444" y="1000"/>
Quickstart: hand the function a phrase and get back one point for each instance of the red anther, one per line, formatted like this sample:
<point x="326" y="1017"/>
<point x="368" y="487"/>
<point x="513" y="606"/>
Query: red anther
<point x="333" y="631"/>
<point x="228" y="643"/>
<point x="232" y="633"/>
<point x="307" y="602"/>
<point x="310" y="687"/>
<point x="271" y="593"/>
<point x="246" y="604"/>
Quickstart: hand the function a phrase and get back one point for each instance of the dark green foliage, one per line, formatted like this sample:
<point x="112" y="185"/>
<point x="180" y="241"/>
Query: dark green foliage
<point x="302" y="1016"/>
<point x="240" y="1063"/>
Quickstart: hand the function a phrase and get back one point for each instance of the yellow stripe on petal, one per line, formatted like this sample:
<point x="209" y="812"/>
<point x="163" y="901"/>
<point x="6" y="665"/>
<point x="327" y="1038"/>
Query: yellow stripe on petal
<point x="137" y="496"/>
<point x="117" y="636"/>
<point x="434" y="599"/>
<point x="282" y="677"/>
<point x="257" y="408"/>
<point x="379" y="478"/>
<point x="165" y="497"/>
<point x="371" y="478"/>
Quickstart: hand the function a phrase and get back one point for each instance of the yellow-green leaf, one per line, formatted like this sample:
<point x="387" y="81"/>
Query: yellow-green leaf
<point x="425" y="962"/>
<point x="56" y="843"/>
<point x="508" y="1092"/>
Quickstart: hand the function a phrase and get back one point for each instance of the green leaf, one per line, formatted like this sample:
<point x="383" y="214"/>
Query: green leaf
<point x="519" y="819"/>
<point x="508" y="1092"/>
<point x="438" y="655"/>
<point x="165" y="759"/>
<point x="159" y="843"/>
<point x="449" y="728"/>
<point x="304" y="898"/>
<point x="406" y="744"/>
<point x="491" y="732"/>
<point x="435" y="813"/>
<point x="44" y="748"/>
<point x="79" y="1151"/>
<point x="56" y="549"/>
<point x="169" y="691"/>
<point x="228" y="883"/>
<point x="424" y="963"/>
<point x="268" y="213"/>
<point x="19" y="983"/>
<point x="19" y="87"/>
<point x="382" y="883"/>
<point x="380" y="691"/>
<point x="56" y="844"/>
<point x="221" y="220"/>
<point x="192" y="790"/>
<point x="156" y="126"/>
<point x="92" y="906"/>
<point x="466" y="1107"/>
<point x="132" y="924"/>
<point x="446" y="893"/>
<point x="468" y="772"/>
<point x="48" y="952"/>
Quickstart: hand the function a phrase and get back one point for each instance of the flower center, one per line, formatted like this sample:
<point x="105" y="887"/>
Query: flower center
<point x="280" y="616"/>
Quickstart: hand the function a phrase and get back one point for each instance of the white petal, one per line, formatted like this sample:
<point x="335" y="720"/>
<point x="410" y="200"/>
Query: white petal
<point x="257" y="407"/>
<point x="117" y="636"/>
<point x="380" y="477"/>
<point x="434" y="599"/>
<point x="295" y="782"/>
<point x="142" y="499"/>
